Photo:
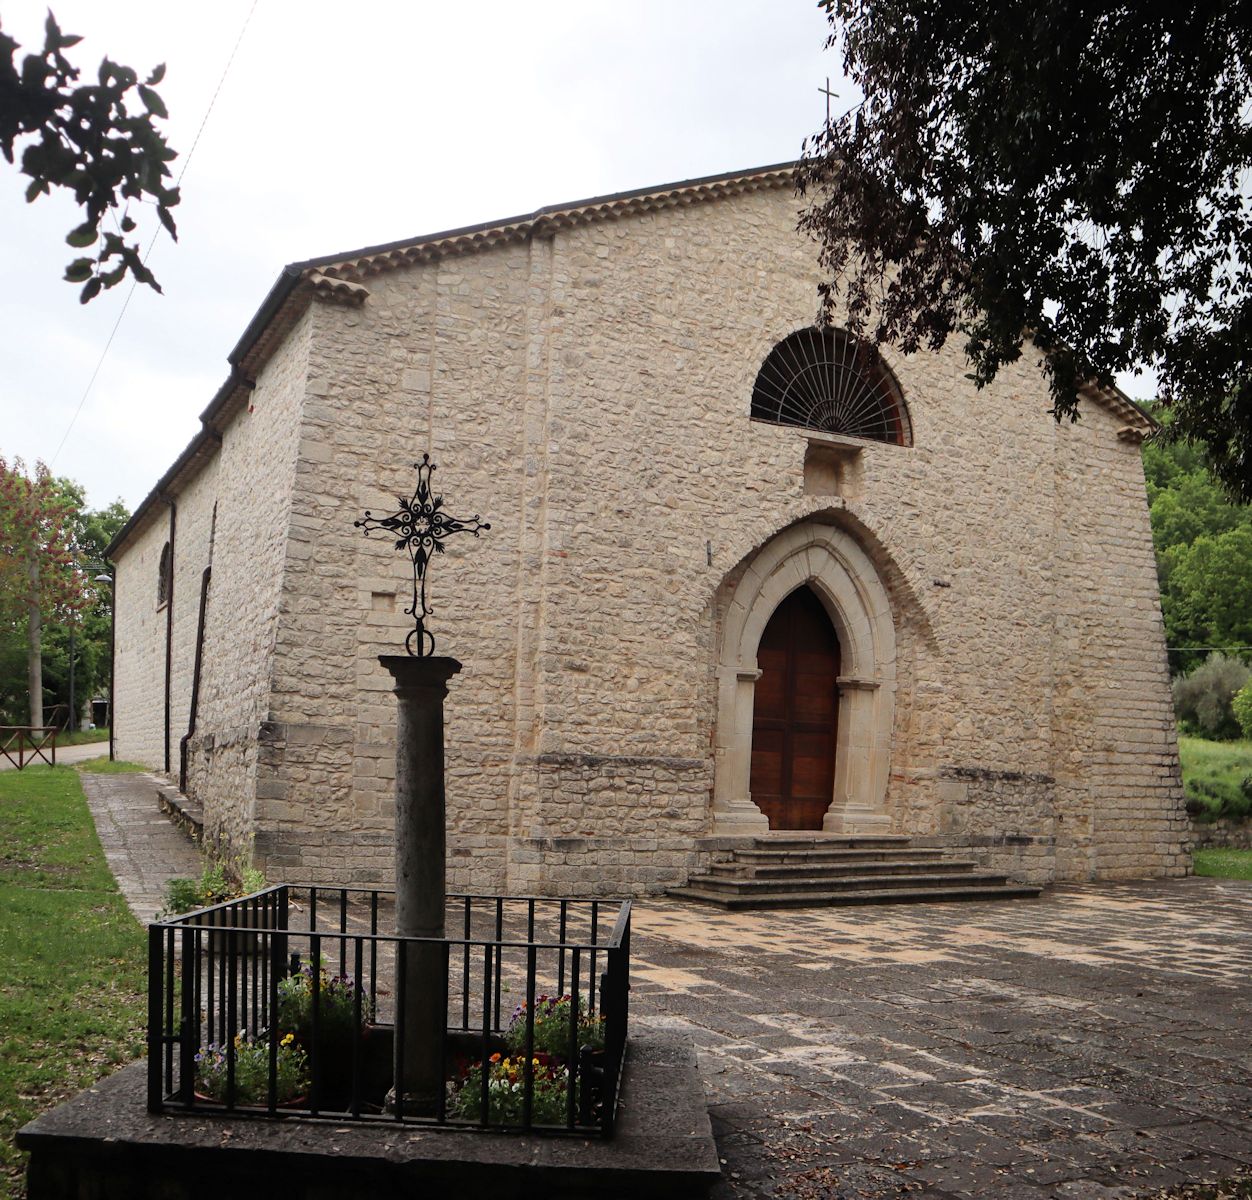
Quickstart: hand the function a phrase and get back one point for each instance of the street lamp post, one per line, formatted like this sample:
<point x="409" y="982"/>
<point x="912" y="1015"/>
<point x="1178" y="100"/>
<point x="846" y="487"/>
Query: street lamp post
<point x="71" y="725"/>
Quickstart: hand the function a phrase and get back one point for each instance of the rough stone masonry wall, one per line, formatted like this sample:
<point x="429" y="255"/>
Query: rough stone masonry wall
<point x="589" y="395"/>
<point x="254" y="480"/>
<point x="1116" y="740"/>
<point x="435" y="361"/>
<point x="659" y="327"/>
<point x="139" y="639"/>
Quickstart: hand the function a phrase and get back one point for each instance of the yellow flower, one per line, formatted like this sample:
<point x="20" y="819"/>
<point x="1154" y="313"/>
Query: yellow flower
<point x="291" y="1037"/>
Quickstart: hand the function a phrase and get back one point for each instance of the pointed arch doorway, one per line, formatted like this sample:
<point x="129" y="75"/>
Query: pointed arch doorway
<point x="826" y="560"/>
<point x="795" y="714"/>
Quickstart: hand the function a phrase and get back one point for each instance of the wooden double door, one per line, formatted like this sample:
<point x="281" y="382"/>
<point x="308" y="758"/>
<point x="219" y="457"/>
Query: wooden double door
<point x="795" y="714"/>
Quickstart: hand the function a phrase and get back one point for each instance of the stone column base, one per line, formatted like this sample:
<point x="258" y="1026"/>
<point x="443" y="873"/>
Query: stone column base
<point x="739" y="818"/>
<point x="855" y="821"/>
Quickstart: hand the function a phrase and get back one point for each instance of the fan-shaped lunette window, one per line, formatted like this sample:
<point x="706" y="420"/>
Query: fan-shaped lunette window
<point x="828" y="380"/>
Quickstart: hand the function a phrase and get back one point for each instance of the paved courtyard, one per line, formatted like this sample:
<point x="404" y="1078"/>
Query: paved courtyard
<point x="1092" y="1043"/>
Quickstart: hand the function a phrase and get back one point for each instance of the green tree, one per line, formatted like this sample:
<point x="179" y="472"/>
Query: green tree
<point x="85" y="634"/>
<point x="1203" y="562"/>
<point x="1210" y="585"/>
<point x="1072" y="175"/>
<point x="38" y="579"/>
<point x="84" y="139"/>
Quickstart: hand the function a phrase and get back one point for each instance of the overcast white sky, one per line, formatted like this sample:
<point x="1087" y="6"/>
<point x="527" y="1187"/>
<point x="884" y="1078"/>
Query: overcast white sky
<point x="343" y="125"/>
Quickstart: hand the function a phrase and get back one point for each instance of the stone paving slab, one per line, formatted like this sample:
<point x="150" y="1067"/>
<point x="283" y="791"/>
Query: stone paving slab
<point x="143" y="847"/>
<point x="1091" y="1043"/>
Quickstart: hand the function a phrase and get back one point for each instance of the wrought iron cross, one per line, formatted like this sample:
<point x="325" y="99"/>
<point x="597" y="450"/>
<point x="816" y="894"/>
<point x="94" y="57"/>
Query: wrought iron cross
<point x="420" y="526"/>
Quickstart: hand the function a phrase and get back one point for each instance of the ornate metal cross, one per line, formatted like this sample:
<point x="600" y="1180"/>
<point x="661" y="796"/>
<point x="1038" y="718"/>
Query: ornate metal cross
<point x="420" y="526"/>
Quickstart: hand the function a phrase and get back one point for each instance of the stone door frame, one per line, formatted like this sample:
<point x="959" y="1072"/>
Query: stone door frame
<point x="828" y="560"/>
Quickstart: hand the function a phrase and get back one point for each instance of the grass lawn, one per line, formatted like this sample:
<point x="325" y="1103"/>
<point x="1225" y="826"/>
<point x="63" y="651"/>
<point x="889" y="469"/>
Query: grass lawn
<point x="1213" y="775"/>
<point x="1224" y="864"/>
<point x="72" y="986"/>
<point x="102" y="766"/>
<point x="82" y="737"/>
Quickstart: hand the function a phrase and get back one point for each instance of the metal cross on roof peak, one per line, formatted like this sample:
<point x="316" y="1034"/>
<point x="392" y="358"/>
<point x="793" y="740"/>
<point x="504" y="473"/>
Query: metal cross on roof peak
<point x="420" y="526"/>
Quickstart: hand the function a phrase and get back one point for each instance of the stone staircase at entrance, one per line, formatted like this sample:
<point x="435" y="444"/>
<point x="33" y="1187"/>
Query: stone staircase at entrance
<point x="791" y="870"/>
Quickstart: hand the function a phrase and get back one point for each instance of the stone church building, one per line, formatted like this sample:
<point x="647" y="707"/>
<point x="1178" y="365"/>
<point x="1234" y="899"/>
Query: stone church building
<point x="742" y="573"/>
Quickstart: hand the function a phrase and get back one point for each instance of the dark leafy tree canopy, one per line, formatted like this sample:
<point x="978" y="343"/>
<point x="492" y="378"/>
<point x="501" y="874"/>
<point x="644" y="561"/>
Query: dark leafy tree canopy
<point x="84" y="138"/>
<point x="1203" y="556"/>
<point x="1073" y="174"/>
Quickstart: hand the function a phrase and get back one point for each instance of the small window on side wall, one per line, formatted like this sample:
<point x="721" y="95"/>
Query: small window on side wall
<point x="831" y="381"/>
<point x="164" y="573"/>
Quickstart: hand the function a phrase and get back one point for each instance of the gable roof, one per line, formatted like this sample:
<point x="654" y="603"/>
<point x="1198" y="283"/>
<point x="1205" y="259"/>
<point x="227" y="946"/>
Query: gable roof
<point x="337" y="278"/>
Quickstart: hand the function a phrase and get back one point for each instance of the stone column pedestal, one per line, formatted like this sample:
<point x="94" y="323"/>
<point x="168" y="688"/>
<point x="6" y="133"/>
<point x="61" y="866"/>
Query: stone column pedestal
<point x="421" y="888"/>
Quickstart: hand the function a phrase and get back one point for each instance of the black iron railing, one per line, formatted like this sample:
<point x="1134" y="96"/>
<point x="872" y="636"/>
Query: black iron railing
<point x="285" y="1002"/>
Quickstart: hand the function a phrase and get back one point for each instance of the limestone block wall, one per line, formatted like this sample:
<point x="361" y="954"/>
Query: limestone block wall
<point x="588" y="393"/>
<point x="654" y="468"/>
<point x="1116" y="738"/>
<point x="139" y="639"/>
<point x="435" y="361"/>
<point x="255" y="472"/>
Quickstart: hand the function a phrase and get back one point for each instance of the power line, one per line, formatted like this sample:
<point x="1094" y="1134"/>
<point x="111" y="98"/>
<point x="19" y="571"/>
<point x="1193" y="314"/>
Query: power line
<point x="134" y="283"/>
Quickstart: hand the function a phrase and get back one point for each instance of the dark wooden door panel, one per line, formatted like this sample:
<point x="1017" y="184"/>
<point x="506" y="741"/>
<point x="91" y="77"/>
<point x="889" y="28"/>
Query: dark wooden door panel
<point x="795" y="714"/>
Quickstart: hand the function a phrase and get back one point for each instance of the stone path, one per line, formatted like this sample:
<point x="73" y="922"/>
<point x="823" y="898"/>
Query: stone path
<point x="67" y="755"/>
<point x="1093" y="1043"/>
<point x="143" y="848"/>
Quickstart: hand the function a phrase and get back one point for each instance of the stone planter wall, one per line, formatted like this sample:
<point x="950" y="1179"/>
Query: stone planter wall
<point x="1223" y="835"/>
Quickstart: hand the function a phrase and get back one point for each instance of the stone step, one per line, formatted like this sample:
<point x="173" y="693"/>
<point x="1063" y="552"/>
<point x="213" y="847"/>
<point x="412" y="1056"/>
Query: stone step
<point x="815" y="840"/>
<point x="836" y="870"/>
<point x="903" y="854"/>
<point x="186" y="813"/>
<point x="903" y="895"/>
<point x="851" y="883"/>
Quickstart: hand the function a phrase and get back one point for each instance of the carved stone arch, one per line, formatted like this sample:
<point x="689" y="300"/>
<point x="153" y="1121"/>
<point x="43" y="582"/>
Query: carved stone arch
<point x="828" y="560"/>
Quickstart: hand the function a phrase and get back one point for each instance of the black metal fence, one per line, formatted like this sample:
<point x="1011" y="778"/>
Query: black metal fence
<point x="285" y="1002"/>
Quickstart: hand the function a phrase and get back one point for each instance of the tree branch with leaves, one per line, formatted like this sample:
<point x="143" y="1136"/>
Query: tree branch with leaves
<point x="1070" y="175"/>
<point x="85" y="138"/>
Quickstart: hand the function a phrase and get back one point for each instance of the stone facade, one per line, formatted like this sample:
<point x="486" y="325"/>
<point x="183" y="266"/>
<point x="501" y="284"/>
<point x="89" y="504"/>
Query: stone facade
<point x="582" y="379"/>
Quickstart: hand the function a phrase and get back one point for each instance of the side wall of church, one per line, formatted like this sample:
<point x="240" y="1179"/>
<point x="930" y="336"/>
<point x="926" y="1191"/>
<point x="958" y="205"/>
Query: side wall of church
<point x="1115" y="731"/>
<point x="231" y="514"/>
<point x="139" y="639"/>
<point x="254" y="478"/>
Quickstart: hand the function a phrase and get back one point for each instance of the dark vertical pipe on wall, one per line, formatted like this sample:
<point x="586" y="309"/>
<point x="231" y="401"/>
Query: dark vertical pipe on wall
<point x="195" y="680"/>
<point x="112" y="654"/>
<point x="169" y="630"/>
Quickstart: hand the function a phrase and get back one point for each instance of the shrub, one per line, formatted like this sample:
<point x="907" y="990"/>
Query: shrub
<point x="1242" y="708"/>
<point x="336" y="1003"/>
<point x="552" y="1026"/>
<point x="218" y="883"/>
<point x="1203" y="699"/>
<point x="252" y="1064"/>
<point x="506" y="1089"/>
